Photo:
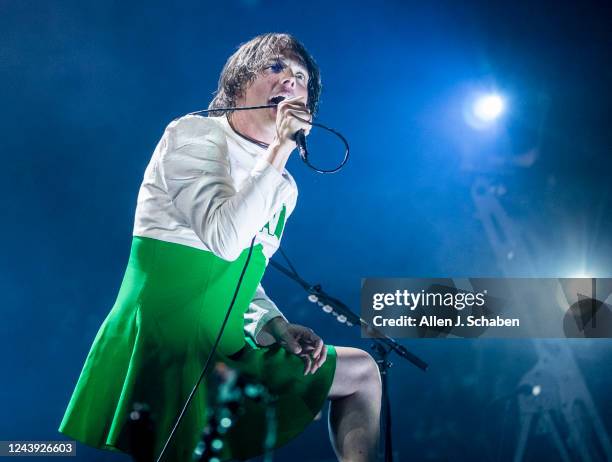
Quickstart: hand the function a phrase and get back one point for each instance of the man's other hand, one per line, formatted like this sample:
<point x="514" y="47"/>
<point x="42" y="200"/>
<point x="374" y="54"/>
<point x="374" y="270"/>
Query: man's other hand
<point x="299" y="340"/>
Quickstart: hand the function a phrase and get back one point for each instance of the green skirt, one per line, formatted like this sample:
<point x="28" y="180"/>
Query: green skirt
<point x="153" y="344"/>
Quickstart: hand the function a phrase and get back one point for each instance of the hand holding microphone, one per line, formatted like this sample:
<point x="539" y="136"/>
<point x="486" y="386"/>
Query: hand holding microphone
<point x="290" y="130"/>
<point x="299" y="136"/>
<point x="293" y="122"/>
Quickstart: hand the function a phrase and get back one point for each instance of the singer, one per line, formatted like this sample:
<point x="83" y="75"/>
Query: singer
<point x="214" y="183"/>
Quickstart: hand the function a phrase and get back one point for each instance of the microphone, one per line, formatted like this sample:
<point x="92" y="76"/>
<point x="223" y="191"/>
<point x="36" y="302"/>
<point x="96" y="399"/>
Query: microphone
<point x="300" y="140"/>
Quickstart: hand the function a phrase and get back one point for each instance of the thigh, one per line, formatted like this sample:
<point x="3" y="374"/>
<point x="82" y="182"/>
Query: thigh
<point x="352" y="367"/>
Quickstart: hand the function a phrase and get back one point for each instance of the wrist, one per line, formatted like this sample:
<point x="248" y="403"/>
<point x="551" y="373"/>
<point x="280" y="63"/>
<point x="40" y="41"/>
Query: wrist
<point x="275" y="325"/>
<point x="278" y="154"/>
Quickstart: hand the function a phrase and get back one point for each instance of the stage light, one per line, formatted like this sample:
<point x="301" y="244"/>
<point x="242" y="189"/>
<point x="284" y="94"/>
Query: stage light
<point x="483" y="110"/>
<point x="216" y="444"/>
<point x="226" y="422"/>
<point x="489" y="107"/>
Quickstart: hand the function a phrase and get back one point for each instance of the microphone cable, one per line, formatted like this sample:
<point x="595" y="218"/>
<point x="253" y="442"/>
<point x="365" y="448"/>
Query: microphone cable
<point x="301" y="148"/>
<point x="210" y="356"/>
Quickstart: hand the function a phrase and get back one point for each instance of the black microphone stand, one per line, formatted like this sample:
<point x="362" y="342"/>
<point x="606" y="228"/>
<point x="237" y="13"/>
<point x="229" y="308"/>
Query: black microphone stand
<point x="384" y="365"/>
<point x="382" y="346"/>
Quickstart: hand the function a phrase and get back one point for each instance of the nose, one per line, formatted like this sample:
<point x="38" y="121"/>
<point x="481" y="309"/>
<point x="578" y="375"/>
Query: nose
<point x="288" y="77"/>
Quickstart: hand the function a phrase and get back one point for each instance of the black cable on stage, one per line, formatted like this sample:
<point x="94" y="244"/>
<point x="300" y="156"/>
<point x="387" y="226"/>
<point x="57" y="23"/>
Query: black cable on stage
<point x="210" y="355"/>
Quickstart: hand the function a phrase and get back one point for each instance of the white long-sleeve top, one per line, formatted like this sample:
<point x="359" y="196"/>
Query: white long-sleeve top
<point x="209" y="188"/>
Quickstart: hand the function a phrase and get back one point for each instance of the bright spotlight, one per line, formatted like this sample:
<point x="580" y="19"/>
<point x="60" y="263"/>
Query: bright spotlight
<point x="483" y="110"/>
<point x="488" y="107"/>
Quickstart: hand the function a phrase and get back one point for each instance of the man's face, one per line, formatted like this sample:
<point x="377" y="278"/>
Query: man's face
<point x="283" y="76"/>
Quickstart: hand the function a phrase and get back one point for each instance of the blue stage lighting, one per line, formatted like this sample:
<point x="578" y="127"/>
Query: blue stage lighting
<point x="483" y="110"/>
<point x="487" y="108"/>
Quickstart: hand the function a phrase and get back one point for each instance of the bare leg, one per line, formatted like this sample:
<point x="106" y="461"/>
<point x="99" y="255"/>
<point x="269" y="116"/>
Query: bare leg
<point x="354" y="412"/>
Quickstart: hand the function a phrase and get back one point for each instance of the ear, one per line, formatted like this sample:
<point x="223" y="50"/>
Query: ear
<point x="238" y="97"/>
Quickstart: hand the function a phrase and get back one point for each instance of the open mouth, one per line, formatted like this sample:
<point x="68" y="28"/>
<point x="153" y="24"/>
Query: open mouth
<point x="277" y="99"/>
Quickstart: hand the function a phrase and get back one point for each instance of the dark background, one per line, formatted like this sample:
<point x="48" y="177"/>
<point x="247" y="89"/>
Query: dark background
<point x="88" y="87"/>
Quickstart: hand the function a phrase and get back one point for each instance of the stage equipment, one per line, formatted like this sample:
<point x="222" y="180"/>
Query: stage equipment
<point x="558" y="398"/>
<point x="141" y="433"/>
<point x="230" y="390"/>
<point x="382" y="345"/>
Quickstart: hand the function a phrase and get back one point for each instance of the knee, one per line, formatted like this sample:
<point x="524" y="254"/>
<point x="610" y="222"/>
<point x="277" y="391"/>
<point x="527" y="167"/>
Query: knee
<point x="369" y="374"/>
<point x="356" y="373"/>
